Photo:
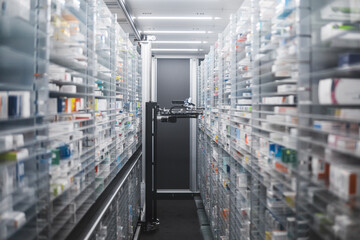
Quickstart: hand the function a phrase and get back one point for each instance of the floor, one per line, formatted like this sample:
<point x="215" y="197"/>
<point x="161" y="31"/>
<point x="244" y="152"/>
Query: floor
<point x="178" y="221"/>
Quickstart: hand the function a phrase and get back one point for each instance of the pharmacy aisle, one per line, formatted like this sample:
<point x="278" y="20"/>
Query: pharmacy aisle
<point x="272" y="150"/>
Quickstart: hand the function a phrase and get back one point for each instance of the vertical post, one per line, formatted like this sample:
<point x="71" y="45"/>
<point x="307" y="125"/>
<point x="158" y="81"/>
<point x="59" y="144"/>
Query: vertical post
<point x="151" y="221"/>
<point x="154" y="80"/>
<point x="149" y="162"/>
<point x="146" y="97"/>
<point x="193" y="88"/>
<point x="154" y="195"/>
<point x="153" y="96"/>
<point x="149" y="139"/>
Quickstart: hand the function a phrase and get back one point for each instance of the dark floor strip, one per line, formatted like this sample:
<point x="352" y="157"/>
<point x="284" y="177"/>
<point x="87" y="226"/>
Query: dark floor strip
<point x="178" y="221"/>
<point x="203" y="219"/>
<point x="206" y="233"/>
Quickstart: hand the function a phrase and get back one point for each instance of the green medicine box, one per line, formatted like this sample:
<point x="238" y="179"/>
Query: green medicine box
<point x="55" y="157"/>
<point x="288" y="156"/>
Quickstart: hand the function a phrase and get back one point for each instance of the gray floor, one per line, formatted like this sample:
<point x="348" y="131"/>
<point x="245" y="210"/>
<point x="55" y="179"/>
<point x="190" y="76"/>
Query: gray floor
<point x="178" y="221"/>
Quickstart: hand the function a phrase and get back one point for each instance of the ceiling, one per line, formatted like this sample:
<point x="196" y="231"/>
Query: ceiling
<point x="214" y="16"/>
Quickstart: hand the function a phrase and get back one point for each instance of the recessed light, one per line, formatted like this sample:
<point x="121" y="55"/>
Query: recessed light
<point x="174" y="32"/>
<point x="175" y="49"/>
<point x="159" y="32"/>
<point x="176" y="18"/>
<point x="180" y="42"/>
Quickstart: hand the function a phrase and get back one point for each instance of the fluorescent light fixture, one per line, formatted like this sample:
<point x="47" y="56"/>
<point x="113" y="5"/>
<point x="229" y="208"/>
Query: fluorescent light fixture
<point x="176" y="50"/>
<point x="179" y="42"/>
<point x="174" y="32"/>
<point x="177" y="18"/>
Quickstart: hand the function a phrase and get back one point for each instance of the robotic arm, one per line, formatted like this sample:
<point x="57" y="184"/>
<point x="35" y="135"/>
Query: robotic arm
<point x="181" y="109"/>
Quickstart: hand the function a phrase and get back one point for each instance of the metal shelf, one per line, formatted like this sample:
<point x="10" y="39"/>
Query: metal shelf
<point x="259" y="51"/>
<point x="59" y="133"/>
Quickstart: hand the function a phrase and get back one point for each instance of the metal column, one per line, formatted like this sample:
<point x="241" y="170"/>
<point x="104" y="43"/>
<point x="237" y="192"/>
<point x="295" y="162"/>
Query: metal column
<point x="149" y="138"/>
<point x="193" y="143"/>
<point x="154" y="80"/>
<point x="151" y="221"/>
<point x="146" y="97"/>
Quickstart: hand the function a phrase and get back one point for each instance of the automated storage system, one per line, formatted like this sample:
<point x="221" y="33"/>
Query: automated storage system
<point x="274" y="139"/>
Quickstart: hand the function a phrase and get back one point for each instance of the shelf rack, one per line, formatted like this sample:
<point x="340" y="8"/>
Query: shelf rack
<point x="120" y="218"/>
<point x="64" y="65"/>
<point x="288" y="146"/>
<point x="330" y="212"/>
<point x="105" y="98"/>
<point x="24" y="168"/>
<point x="240" y="119"/>
<point x="72" y="120"/>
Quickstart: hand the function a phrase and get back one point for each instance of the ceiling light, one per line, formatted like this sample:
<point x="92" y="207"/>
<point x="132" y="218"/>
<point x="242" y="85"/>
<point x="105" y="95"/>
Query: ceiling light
<point x="177" y="18"/>
<point x="151" y="38"/>
<point x="176" y="50"/>
<point x="180" y="42"/>
<point x="164" y="32"/>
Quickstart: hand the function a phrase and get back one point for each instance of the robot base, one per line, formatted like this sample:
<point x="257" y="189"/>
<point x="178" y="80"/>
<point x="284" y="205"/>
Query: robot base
<point x="151" y="226"/>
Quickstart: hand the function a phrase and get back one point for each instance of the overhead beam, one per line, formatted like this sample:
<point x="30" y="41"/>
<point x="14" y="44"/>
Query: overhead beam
<point x="129" y="19"/>
<point x="122" y="21"/>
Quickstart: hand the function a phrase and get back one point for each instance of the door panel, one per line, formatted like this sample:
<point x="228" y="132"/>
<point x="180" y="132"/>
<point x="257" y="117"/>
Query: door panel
<point x="173" y="83"/>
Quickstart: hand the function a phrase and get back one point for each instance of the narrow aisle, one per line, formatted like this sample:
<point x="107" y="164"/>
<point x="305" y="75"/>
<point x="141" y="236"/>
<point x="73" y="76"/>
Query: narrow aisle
<point x="178" y="221"/>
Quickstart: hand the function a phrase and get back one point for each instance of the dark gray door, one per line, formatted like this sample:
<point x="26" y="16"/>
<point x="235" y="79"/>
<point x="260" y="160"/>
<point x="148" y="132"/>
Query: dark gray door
<point x="173" y="83"/>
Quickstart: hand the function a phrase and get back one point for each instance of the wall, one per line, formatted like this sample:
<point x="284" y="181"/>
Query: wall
<point x="173" y="138"/>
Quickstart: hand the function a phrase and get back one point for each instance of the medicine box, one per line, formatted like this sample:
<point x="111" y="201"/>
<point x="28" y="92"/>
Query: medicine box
<point x="339" y="91"/>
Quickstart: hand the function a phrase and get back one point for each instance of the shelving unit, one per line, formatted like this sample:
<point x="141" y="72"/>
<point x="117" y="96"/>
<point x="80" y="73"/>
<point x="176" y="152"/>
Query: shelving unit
<point x="240" y="120"/>
<point x="120" y="219"/>
<point x="121" y="95"/>
<point x="331" y="210"/>
<point x="138" y="99"/>
<point x="293" y="133"/>
<point x="105" y="102"/>
<point x="72" y="123"/>
<point x="24" y="169"/>
<point x="69" y="87"/>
